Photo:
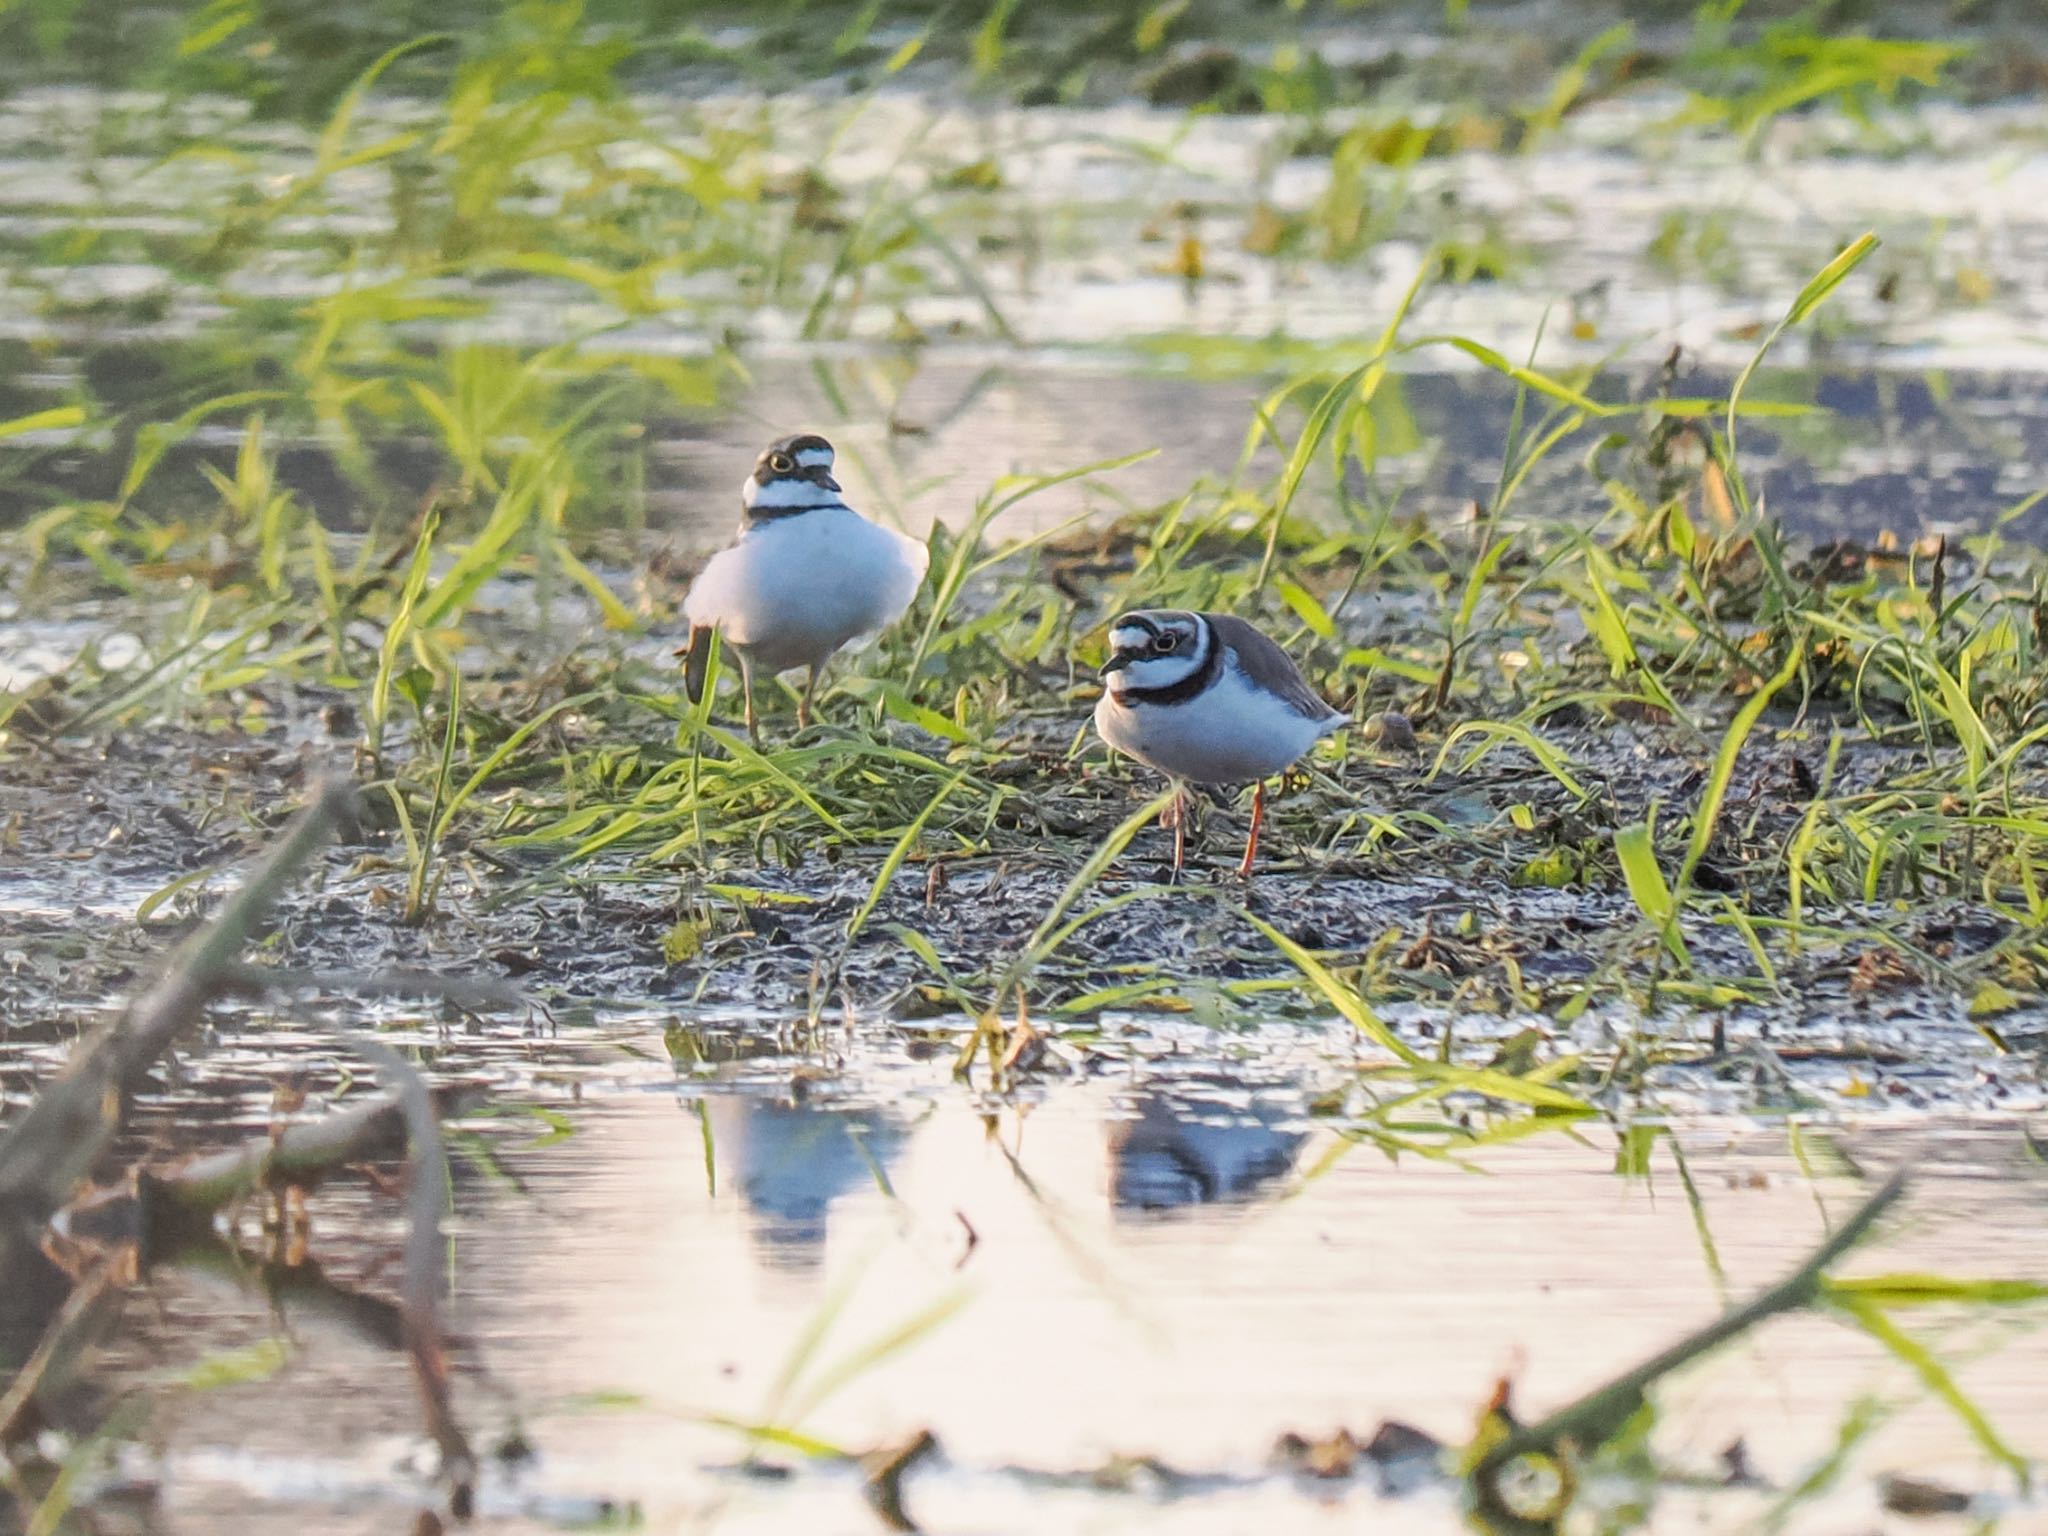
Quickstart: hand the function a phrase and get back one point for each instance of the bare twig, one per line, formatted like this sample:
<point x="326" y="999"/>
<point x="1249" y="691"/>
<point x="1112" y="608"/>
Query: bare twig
<point x="50" y="1148"/>
<point x="1594" y="1417"/>
<point x="300" y="1154"/>
<point x="72" y="1331"/>
<point x="421" y="1294"/>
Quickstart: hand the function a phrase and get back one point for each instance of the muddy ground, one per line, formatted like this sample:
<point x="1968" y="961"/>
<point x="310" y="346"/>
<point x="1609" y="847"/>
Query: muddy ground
<point x="1463" y="937"/>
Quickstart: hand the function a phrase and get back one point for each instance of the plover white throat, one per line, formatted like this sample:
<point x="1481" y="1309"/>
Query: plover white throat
<point x="806" y="574"/>
<point x="1207" y="699"/>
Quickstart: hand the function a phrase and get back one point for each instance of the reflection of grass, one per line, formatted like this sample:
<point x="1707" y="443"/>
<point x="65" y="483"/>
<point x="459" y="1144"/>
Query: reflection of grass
<point x="809" y="1376"/>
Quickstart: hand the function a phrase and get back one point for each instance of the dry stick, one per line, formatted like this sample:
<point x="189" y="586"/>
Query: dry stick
<point x="1593" y="1417"/>
<point x="56" y="1140"/>
<point x="421" y="1293"/>
<point x="300" y="1154"/>
<point x="49" y="1150"/>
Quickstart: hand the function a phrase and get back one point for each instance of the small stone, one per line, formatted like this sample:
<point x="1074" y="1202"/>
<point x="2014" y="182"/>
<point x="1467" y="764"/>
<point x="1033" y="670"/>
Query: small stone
<point x="1905" y="1495"/>
<point x="1392" y="731"/>
<point x="1395" y="1441"/>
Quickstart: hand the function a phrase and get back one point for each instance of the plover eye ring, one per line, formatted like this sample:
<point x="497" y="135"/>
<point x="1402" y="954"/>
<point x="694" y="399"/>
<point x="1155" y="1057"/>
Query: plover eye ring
<point x="781" y="463"/>
<point x="1169" y="641"/>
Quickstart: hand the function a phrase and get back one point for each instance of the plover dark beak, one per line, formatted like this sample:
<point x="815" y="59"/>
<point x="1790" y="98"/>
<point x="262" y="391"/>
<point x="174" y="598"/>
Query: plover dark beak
<point x="1116" y="663"/>
<point x="823" y="477"/>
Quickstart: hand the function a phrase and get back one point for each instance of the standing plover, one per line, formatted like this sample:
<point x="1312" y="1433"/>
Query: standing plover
<point x="806" y="574"/>
<point x="1206" y="699"/>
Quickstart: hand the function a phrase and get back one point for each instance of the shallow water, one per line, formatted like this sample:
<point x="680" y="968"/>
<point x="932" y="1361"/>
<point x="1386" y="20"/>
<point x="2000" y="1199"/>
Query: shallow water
<point x="1171" y="1260"/>
<point x="1887" y="449"/>
<point x="1909" y="452"/>
<point x="1621" y="237"/>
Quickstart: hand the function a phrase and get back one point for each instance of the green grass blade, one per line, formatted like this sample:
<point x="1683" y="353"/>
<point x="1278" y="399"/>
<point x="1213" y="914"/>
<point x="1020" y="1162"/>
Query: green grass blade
<point x="44" y="421"/>
<point x="1635" y="845"/>
<point x="879" y="1350"/>
<point x="1036" y="948"/>
<point x="1493" y="733"/>
<point x="1823" y="283"/>
<point x="400" y="626"/>
<point x="1346" y="1000"/>
<point x="1918" y="1288"/>
<point x="1716" y="790"/>
<point x="504" y="751"/>
<point x="1933" y="1375"/>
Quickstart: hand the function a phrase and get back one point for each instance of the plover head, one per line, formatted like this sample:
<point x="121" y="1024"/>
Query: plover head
<point x="1155" y="648"/>
<point x="793" y="474"/>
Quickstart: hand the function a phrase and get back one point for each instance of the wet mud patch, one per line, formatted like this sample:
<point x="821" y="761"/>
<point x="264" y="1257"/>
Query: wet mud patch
<point x="1471" y="935"/>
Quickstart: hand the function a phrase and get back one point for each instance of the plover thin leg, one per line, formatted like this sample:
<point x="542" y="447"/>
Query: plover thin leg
<point x="1180" y="812"/>
<point x="1251" y="844"/>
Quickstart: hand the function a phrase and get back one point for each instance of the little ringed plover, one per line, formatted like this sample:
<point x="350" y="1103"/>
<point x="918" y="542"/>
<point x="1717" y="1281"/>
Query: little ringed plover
<point x="806" y="574"/>
<point x="1207" y="699"/>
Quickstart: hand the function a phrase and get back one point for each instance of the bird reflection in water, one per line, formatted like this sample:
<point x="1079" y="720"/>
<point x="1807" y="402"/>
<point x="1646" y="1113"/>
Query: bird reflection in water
<point x="790" y="1161"/>
<point x="1180" y="1152"/>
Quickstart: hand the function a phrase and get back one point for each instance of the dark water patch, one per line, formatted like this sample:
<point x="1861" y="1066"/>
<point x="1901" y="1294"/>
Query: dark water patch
<point x="1908" y="452"/>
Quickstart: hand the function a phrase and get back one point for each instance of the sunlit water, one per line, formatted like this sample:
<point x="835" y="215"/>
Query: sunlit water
<point x="1172" y="1260"/>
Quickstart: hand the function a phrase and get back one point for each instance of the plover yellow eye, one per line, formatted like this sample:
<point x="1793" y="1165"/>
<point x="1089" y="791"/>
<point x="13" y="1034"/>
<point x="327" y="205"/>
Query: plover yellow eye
<point x="781" y="463"/>
<point x="1169" y="641"/>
